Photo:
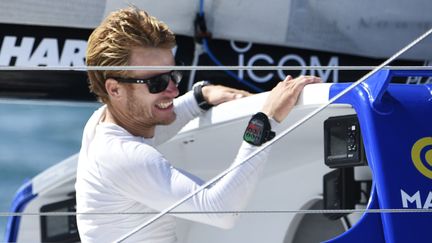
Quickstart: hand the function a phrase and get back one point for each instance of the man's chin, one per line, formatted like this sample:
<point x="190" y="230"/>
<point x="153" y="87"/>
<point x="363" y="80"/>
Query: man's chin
<point x="168" y="120"/>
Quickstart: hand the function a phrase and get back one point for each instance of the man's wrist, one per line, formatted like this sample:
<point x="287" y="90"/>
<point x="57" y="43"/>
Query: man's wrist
<point x="199" y="96"/>
<point x="259" y="130"/>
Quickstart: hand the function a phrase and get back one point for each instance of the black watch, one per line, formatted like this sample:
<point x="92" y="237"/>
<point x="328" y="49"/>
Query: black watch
<point x="258" y="130"/>
<point x="197" y="91"/>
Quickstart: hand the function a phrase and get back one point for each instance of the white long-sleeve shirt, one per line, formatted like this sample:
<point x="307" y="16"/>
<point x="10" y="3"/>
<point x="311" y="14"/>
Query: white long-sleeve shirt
<point x="119" y="172"/>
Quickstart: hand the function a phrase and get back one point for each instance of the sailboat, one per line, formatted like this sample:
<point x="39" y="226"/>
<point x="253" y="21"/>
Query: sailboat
<point x="359" y="170"/>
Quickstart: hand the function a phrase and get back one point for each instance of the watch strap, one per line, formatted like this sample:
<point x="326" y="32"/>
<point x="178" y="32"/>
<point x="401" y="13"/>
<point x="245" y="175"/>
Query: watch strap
<point x="258" y="130"/>
<point x="199" y="97"/>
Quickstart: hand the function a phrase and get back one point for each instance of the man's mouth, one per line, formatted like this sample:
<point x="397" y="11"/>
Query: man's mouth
<point x="164" y="105"/>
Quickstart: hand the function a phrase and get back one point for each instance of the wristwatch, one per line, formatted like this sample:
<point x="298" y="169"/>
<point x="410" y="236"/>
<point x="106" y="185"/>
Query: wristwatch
<point x="258" y="130"/>
<point x="197" y="91"/>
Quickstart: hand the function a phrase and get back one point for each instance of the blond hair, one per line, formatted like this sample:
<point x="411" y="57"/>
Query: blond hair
<point x="111" y="42"/>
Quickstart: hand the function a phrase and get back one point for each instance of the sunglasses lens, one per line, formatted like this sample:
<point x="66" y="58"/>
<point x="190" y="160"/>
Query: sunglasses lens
<point x="176" y="76"/>
<point x="158" y="84"/>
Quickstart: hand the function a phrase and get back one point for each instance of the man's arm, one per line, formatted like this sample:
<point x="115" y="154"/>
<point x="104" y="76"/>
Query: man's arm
<point x="186" y="108"/>
<point x="154" y="182"/>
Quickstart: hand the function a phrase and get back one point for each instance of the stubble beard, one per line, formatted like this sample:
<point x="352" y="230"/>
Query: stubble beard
<point x="144" y="117"/>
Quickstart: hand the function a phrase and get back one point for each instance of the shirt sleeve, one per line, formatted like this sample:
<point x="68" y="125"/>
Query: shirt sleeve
<point x="150" y="179"/>
<point x="186" y="109"/>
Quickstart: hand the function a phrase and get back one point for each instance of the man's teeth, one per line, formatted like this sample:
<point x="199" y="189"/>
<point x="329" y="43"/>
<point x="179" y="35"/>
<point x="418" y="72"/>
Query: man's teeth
<point x="164" y="105"/>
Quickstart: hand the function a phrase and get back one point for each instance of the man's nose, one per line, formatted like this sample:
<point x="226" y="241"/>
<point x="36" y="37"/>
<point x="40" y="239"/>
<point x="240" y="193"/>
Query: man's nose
<point x="172" y="88"/>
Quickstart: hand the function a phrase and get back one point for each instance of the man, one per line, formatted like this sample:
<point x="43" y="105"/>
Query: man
<point x="119" y="169"/>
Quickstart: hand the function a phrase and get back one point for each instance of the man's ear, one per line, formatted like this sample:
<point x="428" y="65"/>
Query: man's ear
<point x="113" y="88"/>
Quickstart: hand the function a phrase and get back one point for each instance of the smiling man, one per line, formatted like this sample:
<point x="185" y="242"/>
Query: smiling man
<point x="119" y="169"/>
<point x="135" y="106"/>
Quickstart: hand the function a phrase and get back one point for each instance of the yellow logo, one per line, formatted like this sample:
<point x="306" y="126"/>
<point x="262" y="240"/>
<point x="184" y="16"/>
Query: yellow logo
<point x="416" y="152"/>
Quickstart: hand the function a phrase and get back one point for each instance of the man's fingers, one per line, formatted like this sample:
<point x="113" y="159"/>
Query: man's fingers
<point x="238" y="94"/>
<point x="218" y="94"/>
<point x="304" y="80"/>
<point x="288" y="78"/>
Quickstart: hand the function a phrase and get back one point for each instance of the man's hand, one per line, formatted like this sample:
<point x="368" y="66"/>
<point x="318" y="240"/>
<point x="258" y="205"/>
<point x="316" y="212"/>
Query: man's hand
<point x="217" y="94"/>
<point x="284" y="95"/>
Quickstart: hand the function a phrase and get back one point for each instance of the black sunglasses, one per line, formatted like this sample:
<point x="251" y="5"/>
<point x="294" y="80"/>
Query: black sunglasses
<point x="155" y="84"/>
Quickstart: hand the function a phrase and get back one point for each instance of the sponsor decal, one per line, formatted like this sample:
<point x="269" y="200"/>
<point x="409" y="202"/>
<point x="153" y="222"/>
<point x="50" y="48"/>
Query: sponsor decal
<point x="416" y="200"/>
<point x="421" y="155"/>
<point x="25" y="52"/>
<point x="289" y="59"/>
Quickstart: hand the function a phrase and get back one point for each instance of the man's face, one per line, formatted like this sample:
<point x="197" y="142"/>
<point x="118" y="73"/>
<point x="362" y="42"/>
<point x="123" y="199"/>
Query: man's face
<point x="147" y="108"/>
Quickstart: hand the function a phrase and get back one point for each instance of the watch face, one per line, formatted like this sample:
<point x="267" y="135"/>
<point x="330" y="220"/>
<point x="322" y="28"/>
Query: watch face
<point x="254" y="132"/>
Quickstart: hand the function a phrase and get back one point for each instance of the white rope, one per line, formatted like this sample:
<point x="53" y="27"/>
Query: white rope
<point x="309" y="211"/>
<point x="197" y="53"/>
<point x="207" y="68"/>
<point x="291" y="128"/>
